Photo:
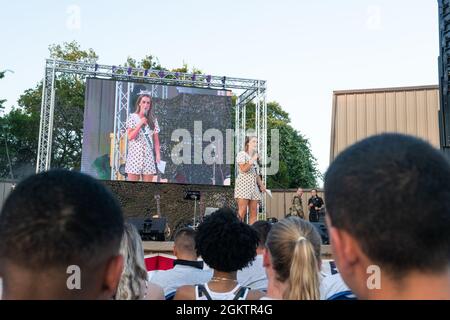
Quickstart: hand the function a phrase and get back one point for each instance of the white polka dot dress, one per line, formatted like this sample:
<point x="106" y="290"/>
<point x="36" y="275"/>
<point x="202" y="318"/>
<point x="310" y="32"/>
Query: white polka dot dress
<point x="246" y="186"/>
<point x="140" y="158"/>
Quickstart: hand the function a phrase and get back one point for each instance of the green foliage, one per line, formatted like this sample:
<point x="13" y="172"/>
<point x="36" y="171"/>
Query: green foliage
<point x="19" y="130"/>
<point x="71" y="51"/>
<point x="148" y="62"/>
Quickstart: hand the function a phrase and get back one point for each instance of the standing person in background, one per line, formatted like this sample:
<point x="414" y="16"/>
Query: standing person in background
<point x="297" y="205"/>
<point x="143" y="141"/>
<point x="248" y="186"/>
<point x="315" y="204"/>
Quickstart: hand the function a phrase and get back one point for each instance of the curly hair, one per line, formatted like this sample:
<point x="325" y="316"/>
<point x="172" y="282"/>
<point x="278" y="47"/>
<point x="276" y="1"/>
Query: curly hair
<point x="225" y="243"/>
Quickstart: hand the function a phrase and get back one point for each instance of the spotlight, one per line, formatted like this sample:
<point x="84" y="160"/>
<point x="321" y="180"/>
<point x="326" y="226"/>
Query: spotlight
<point x="129" y="70"/>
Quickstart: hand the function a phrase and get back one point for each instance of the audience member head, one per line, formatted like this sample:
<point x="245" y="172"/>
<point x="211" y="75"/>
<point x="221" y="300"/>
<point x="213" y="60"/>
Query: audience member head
<point x="225" y="243"/>
<point x="388" y="205"/>
<point x="262" y="228"/>
<point x="184" y="244"/>
<point x="292" y="259"/>
<point x="299" y="192"/>
<point x="60" y="233"/>
<point x="313" y="192"/>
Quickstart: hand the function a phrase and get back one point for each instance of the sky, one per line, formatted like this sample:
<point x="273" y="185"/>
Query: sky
<point x="303" y="49"/>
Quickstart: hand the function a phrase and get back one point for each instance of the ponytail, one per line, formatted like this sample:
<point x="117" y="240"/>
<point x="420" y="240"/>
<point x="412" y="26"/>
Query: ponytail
<point x="294" y="247"/>
<point x="303" y="281"/>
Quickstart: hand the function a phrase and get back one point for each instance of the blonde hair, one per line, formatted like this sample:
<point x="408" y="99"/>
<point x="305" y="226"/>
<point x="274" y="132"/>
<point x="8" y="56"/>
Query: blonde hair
<point x="294" y="247"/>
<point x="132" y="284"/>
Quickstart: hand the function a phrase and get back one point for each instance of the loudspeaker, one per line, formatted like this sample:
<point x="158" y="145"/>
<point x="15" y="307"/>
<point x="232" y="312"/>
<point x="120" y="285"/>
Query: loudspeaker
<point x="150" y="229"/>
<point x="323" y="231"/>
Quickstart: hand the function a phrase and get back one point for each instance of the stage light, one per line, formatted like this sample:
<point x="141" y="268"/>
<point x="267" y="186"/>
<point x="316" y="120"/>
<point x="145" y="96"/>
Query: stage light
<point x="177" y="75"/>
<point x="161" y="74"/>
<point x="194" y="77"/>
<point x="208" y="78"/>
<point x="96" y="67"/>
<point x="129" y="70"/>
<point x="113" y="68"/>
<point x="145" y="72"/>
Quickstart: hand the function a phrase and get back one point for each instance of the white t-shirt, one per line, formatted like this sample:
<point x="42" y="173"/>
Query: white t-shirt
<point x="333" y="287"/>
<point x="254" y="276"/>
<point x="180" y="275"/>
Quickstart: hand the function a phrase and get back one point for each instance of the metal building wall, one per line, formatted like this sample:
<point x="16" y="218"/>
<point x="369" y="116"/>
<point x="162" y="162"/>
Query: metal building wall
<point x="358" y="114"/>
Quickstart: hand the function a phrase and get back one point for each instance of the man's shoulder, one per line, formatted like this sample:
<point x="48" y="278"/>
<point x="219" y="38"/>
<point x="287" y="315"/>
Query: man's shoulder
<point x="175" y="273"/>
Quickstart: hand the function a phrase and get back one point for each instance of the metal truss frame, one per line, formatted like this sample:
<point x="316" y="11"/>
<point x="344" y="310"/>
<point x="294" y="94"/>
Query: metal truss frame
<point x="247" y="90"/>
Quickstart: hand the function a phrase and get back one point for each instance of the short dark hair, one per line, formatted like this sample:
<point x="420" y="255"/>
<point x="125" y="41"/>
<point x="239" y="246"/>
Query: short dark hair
<point x="262" y="228"/>
<point x="225" y="243"/>
<point x="392" y="193"/>
<point x="184" y="239"/>
<point x="58" y="218"/>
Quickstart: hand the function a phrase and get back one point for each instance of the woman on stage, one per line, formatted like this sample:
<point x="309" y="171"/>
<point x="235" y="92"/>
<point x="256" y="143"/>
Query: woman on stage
<point x="143" y="141"/>
<point x="249" y="186"/>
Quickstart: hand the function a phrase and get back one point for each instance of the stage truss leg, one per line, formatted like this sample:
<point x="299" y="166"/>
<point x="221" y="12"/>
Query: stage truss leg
<point x="121" y="112"/>
<point x="259" y="95"/>
<point x="46" y="124"/>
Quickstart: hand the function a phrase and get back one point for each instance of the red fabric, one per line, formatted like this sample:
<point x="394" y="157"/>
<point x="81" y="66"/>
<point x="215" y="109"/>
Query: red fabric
<point x="159" y="262"/>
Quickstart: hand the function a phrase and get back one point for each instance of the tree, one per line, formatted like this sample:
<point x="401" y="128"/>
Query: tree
<point x="13" y="147"/>
<point x="19" y="143"/>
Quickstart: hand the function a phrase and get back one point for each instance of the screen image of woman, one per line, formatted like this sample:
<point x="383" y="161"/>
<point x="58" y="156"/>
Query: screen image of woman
<point x="143" y="142"/>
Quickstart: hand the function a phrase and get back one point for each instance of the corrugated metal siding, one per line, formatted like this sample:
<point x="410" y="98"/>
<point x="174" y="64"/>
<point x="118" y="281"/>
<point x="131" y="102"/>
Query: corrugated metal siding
<point x="358" y="114"/>
<point x="278" y="206"/>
